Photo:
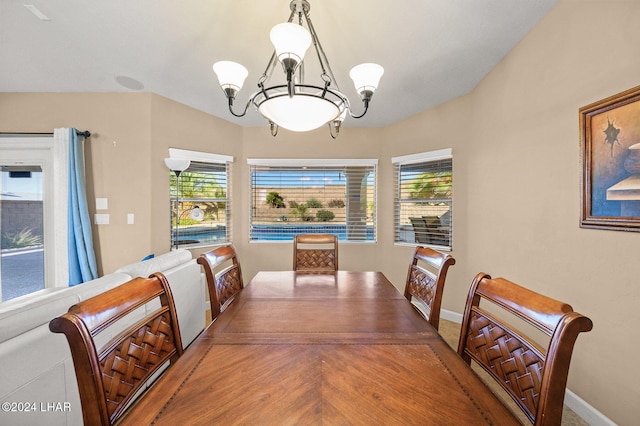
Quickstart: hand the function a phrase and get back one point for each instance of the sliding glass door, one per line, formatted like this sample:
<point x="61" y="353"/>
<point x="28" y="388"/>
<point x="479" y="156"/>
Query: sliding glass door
<point x="21" y="228"/>
<point x="26" y="233"/>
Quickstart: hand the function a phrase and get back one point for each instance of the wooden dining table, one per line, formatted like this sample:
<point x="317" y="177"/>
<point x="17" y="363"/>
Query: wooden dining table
<point x="340" y="348"/>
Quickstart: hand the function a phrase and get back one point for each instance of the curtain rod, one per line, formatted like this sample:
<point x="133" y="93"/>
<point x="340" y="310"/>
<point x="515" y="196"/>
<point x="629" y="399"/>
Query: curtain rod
<point x="84" y="133"/>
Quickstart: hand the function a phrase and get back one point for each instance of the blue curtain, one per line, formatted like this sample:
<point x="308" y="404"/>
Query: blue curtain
<point x="82" y="258"/>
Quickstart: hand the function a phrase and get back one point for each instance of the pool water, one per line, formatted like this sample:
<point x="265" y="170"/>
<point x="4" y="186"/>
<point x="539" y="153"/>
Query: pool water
<point x="200" y="235"/>
<point x="286" y="232"/>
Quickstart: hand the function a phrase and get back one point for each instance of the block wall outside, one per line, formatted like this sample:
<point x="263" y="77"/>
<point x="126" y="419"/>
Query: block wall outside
<point x="17" y="215"/>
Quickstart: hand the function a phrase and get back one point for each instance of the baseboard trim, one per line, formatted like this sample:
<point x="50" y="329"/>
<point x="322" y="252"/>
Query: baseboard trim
<point x="586" y="411"/>
<point x="451" y="316"/>
<point x="571" y="400"/>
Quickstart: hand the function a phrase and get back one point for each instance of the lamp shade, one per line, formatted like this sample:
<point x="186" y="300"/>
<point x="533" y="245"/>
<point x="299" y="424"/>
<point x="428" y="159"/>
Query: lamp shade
<point x="177" y="164"/>
<point x="366" y="77"/>
<point x="291" y="41"/>
<point x="230" y="74"/>
<point x="196" y="214"/>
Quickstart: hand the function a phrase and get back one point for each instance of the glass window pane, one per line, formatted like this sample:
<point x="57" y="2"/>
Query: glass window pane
<point x="423" y="203"/>
<point x="21" y="228"/>
<point x="200" y="207"/>
<point x="291" y="200"/>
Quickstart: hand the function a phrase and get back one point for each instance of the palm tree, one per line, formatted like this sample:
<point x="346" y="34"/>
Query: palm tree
<point x="275" y="200"/>
<point x="432" y="185"/>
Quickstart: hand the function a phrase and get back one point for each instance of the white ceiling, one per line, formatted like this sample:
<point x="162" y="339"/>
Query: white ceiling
<point x="432" y="50"/>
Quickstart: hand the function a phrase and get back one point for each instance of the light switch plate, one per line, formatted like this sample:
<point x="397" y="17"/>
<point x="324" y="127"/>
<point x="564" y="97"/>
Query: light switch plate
<point x="102" y="204"/>
<point x="101" y="219"/>
<point x="130" y="219"/>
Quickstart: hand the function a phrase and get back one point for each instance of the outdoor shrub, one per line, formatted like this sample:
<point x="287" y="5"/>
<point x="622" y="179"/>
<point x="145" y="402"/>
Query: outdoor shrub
<point x="325" y="215"/>
<point x="301" y="212"/>
<point x="314" y="203"/>
<point x="336" y="204"/>
<point x="21" y="239"/>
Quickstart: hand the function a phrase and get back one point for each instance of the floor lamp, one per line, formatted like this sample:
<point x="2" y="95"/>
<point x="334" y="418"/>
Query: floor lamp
<point x="177" y="166"/>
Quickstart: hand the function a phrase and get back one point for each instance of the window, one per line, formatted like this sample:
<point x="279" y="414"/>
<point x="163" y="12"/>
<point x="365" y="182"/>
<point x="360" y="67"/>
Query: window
<point x="29" y="259"/>
<point x="294" y="196"/>
<point x="200" y="205"/>
<point x="423" y="199"/>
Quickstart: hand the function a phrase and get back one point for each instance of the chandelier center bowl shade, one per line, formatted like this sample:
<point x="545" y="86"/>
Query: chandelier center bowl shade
<point x="305" y="111"/>
<point x="298" y="106"/>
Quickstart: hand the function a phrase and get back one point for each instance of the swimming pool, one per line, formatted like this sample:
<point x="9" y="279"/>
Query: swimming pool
<point x="286" y="232"/>
<point x="202" y="235"/>
<point x="206" y="235"/>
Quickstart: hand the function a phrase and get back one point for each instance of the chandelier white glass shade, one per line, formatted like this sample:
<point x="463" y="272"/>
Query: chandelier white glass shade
<point x="232" y="74"/>
<point x="291" y="42"/>
<point x="366" y="78"/>
<point x="297" y="106"/>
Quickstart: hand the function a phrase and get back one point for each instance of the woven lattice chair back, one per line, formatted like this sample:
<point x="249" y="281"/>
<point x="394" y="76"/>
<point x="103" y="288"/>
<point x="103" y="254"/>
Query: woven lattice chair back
<point x="534" y="377"/>
<point x="110" y="376"/>
<point x="224" y="277"/>
<point x="315" y="253"/>
<point x="425" y="282"/>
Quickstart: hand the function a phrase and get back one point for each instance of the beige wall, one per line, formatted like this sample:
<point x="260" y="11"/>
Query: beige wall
<point x="516" y="180"/>
<point x="131" y="136"/>
<point x="117" y="158"/>
<point x="515" y="141"/>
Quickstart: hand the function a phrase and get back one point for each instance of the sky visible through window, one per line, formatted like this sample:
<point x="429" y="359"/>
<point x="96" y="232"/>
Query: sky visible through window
<point x="20" y="188"/>
<point x="303" y="178"/>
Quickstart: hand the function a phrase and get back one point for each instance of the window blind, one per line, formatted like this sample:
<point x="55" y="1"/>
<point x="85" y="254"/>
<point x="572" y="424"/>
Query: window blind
<point x="423" y="187"/>
<point x="206" y="186"/>
<point x="312" y="197"/>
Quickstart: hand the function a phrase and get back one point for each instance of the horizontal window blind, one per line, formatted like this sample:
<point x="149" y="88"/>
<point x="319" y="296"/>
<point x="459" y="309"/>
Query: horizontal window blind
<point x="423" y="201"/>
<point x="206" y="186"/>
<point x="288" y="200"/>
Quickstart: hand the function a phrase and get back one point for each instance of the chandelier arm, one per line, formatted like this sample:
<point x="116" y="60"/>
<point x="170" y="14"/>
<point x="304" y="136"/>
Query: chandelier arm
<point x="366" y="108"/>
<point x="326" y="87"/>
<point x="322" y="57"/>
<point x="246" y="107"/>
<point x="293" y="13"/>
<point x="266" y="75"/>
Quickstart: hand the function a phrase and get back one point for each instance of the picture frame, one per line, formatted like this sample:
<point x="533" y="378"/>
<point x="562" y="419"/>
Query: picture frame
<point x="610" y="156"/>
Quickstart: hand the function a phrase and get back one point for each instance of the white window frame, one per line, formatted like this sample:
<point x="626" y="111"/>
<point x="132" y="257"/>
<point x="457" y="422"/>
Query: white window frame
<point x="39" y="150"/>
<point x="411" y="159"/>
<point x="313" y="162"/>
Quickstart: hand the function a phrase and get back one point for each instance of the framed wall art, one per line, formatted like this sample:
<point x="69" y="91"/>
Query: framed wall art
<point x="610" y="151"/>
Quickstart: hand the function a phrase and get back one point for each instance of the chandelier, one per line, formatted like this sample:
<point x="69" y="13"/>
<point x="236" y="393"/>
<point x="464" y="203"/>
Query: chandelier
<point x="297" y="106"/>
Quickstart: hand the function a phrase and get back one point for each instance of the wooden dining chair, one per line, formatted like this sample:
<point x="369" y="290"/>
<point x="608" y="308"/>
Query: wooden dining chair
<point x="111" y="374"/>
<point x="425" y="282"/>
<point x="315" y="253"/>
<point x="224" y="277"/>
<point x="534" y="376"/>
